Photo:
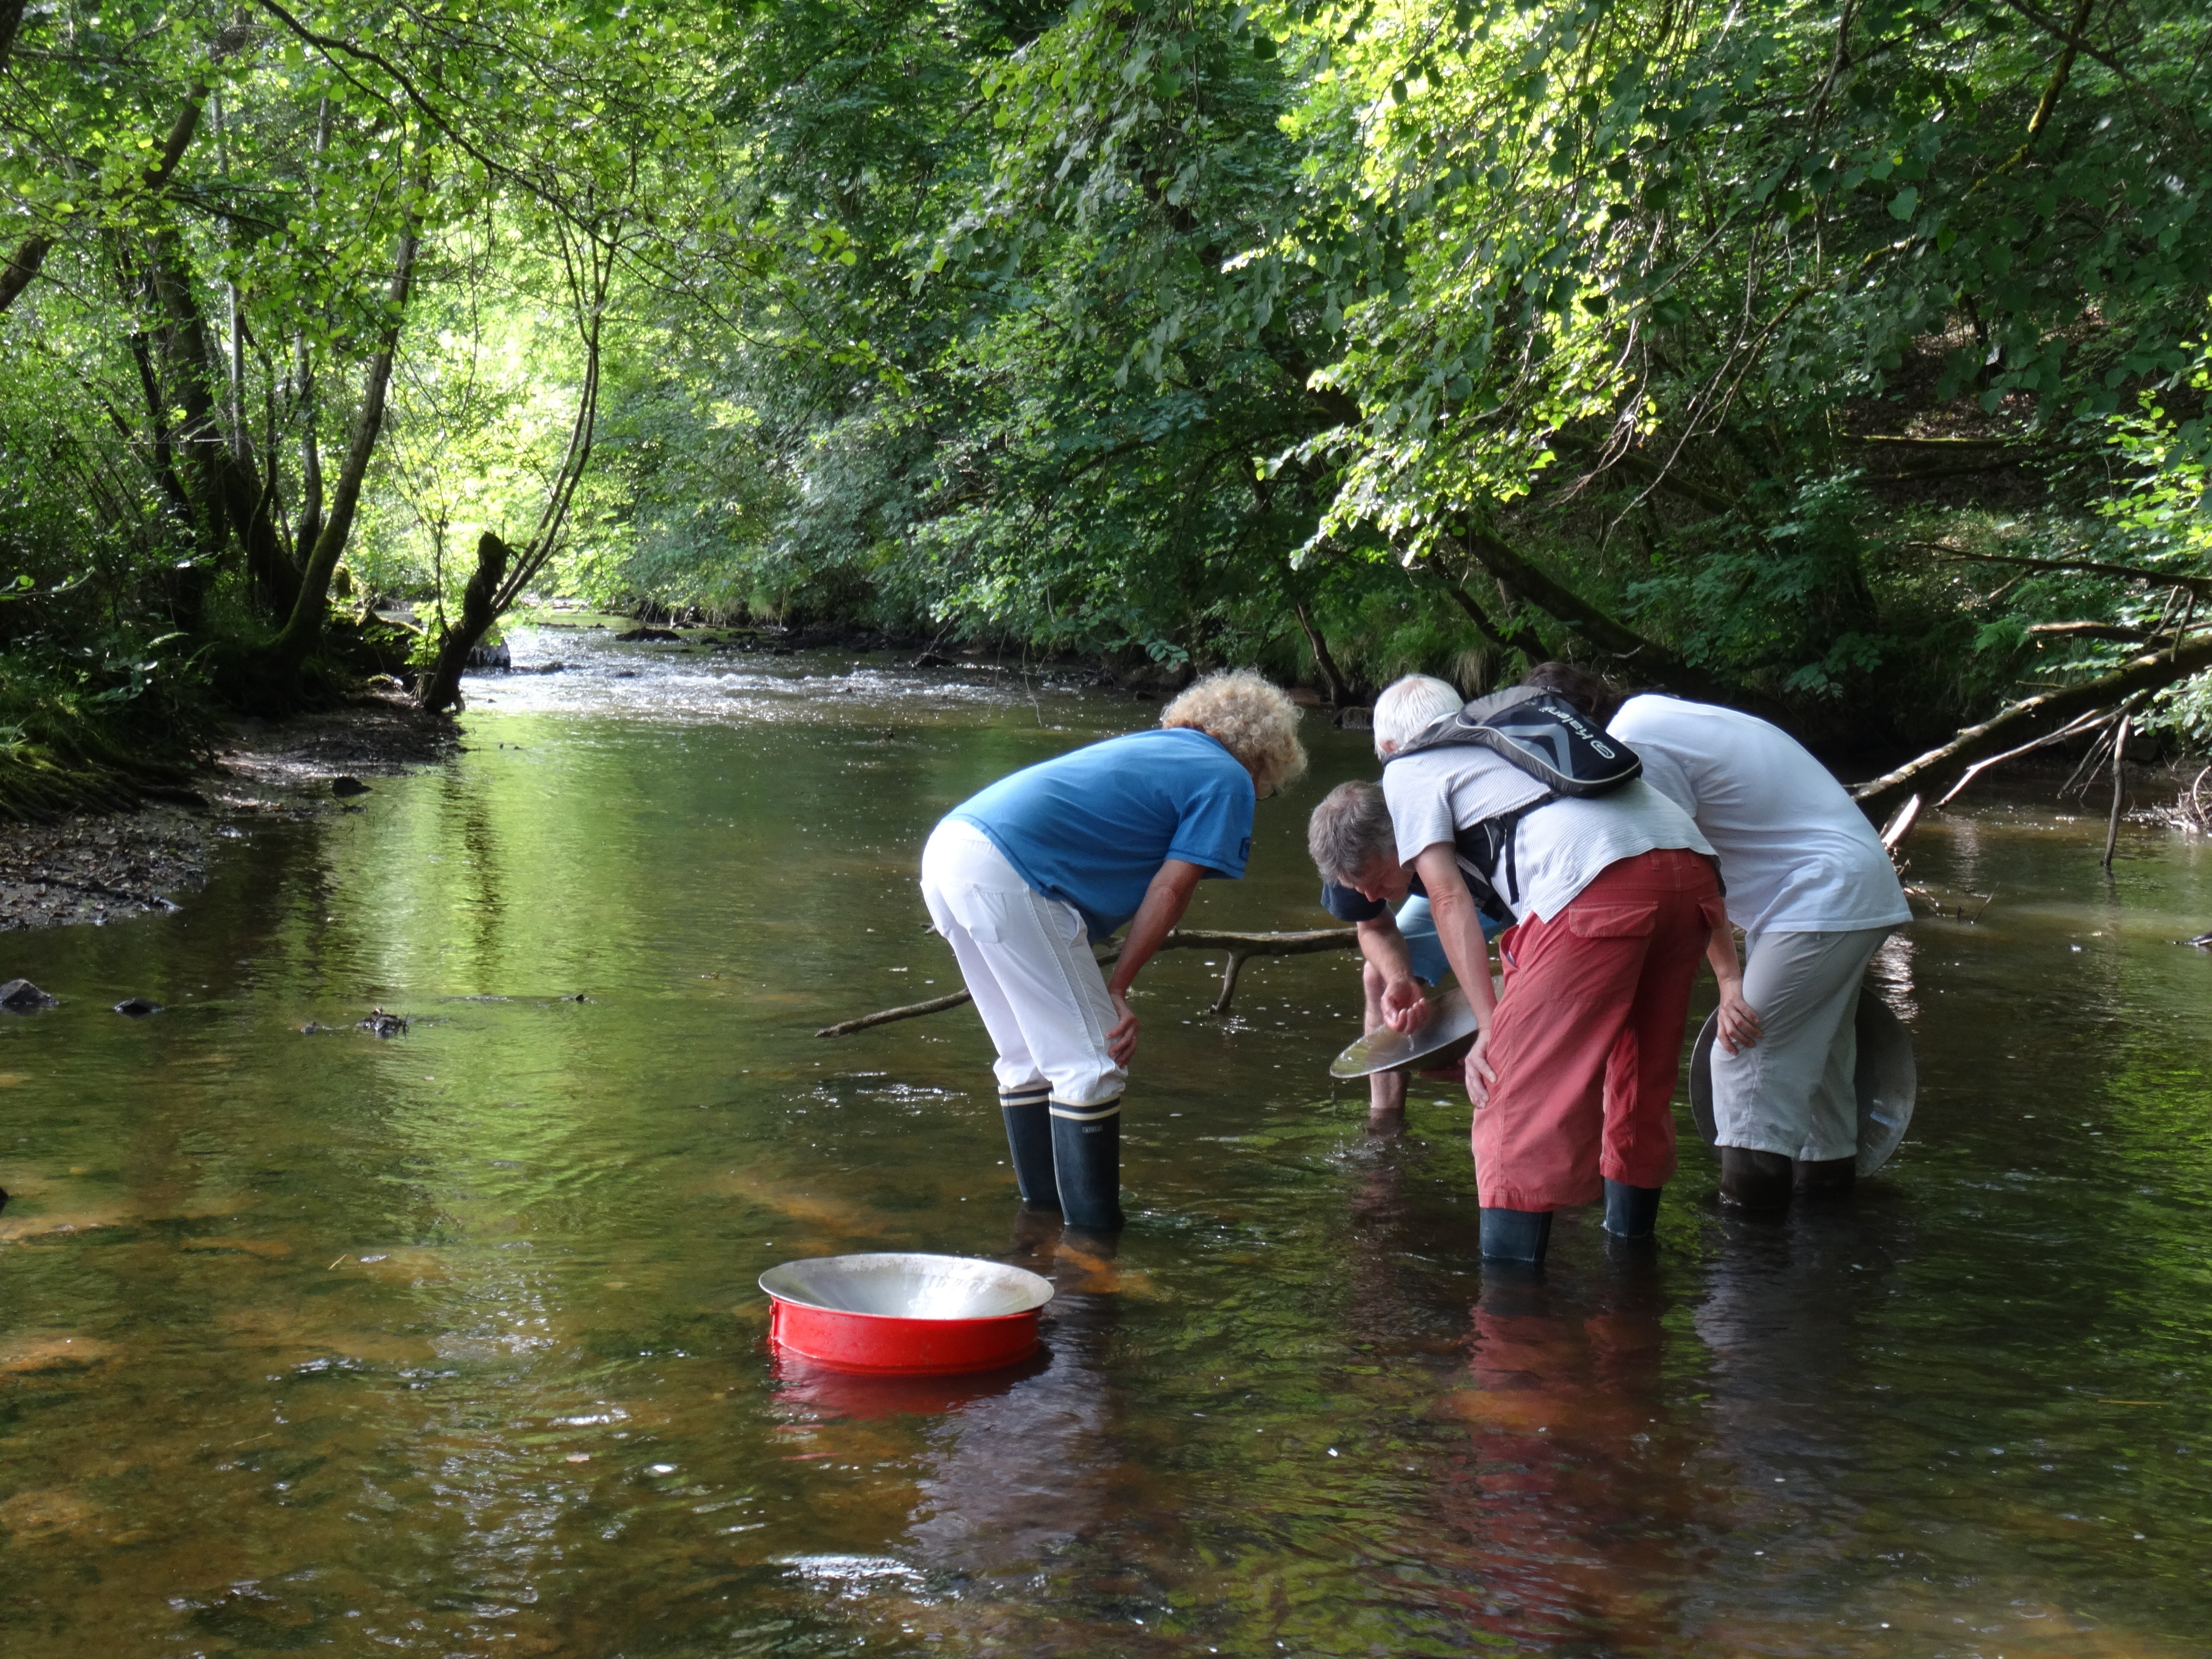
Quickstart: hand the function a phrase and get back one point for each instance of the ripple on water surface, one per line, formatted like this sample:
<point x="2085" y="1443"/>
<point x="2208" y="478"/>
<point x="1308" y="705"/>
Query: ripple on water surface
<point x="449" y="1343"/>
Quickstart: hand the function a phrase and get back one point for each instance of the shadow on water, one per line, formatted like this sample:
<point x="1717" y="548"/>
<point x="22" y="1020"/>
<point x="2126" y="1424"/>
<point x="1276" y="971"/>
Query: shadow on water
<point x="449" y="1343"/>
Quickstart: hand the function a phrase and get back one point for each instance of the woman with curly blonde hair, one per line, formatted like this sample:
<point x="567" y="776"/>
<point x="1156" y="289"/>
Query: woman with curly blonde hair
<point x="1021" y="877"/>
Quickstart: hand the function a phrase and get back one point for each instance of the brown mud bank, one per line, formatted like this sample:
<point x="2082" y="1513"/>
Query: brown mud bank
<point x="103" y="867"/>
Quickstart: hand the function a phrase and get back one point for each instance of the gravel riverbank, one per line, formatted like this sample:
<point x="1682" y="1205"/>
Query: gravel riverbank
<point x="105" y="867"/>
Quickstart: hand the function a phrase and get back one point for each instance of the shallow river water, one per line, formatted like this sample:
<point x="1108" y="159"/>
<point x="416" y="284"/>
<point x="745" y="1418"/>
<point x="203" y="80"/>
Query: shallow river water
<point x="450" y="1344"/>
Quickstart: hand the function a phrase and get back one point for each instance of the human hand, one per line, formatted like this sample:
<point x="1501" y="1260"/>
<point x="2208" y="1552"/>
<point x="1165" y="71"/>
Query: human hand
<point x="1739" y="1026"/>
<point x="1480" y="1076"/>
<point x="1405" y="1009"/>
<point x="1121" y="1036"/>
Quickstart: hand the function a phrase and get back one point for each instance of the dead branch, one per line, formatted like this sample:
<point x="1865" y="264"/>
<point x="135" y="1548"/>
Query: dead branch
<point x="1240" y="947"/>
<point x="1980" y="767"/>
<point x="2092" y="762"/>
<point x="1899" y="827"/>
<point x="2089" y="631"/>
<point x="2119" y="788"/>
<point x="2030" y="716"/>
<point x="2200" y="585"/>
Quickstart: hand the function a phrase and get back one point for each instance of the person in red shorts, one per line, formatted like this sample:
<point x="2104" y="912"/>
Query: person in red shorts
<point x="1614" y="899"/>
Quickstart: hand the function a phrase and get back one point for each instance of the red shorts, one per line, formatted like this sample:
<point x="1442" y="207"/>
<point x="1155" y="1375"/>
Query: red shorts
<point x="1587" y="1041"/>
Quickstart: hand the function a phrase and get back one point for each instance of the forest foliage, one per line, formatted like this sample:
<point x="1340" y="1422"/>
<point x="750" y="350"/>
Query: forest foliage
<point x="1845" y="360"/>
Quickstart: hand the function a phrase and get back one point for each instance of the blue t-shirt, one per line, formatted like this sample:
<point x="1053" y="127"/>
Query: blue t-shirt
<point x="1092" y="827"/>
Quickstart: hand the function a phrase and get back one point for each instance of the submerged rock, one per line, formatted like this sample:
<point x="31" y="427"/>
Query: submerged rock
<point x="384" y="1024"/>
<point x="22" y="996"/>
<point x="665" y="636"/>
<point x="343" y="787"/>
<point x="137" y="1007"/>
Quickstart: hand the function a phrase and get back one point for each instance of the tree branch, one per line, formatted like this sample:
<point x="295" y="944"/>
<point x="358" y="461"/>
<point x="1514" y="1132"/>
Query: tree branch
<point x="1240" y="946"/>
<point x="2199" y="586"/>
<point x="1939" y="767"/>
<point x="1520" y="639"/>
<point x="16" y="275"/>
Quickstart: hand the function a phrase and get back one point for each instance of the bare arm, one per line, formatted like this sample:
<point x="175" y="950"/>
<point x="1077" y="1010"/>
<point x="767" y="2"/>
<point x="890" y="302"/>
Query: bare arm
<point x="1165" y="901"/>
<point x="1459" y="930"/>
<point x="1405" y="1009"/>
<point x="1739" y="1019"/>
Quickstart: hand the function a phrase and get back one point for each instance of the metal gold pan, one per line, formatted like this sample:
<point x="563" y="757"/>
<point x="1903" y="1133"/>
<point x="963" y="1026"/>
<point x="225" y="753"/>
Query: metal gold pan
<point x="1450" y="1022"/>
<point x="1887" y="1078"/>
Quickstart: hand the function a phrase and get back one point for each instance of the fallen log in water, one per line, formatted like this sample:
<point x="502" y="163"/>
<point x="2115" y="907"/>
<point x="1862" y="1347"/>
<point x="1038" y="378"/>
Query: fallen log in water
<point x="1934" y="772"/>
<point x="1240" y="946"/>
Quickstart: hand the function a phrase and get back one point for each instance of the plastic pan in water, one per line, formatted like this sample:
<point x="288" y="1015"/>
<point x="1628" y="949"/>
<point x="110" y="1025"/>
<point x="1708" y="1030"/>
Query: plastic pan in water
<point x="902" y="1312"/>
<point x="1886" y="1079"/>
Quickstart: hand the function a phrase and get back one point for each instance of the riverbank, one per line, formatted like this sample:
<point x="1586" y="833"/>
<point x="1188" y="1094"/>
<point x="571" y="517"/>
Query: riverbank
<point x="95" y="868"/>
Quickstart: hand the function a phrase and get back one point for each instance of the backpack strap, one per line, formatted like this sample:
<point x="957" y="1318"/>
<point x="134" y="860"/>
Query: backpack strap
<point x="1482" y="844"/>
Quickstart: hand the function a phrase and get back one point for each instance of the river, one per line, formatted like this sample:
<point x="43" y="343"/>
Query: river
<point x="450" y="1343"/>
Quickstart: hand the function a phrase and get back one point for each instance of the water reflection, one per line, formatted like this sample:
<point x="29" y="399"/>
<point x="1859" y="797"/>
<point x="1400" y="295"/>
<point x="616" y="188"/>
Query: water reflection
<point x="1017" y="1478"/>
<point x="450" y="1344"/>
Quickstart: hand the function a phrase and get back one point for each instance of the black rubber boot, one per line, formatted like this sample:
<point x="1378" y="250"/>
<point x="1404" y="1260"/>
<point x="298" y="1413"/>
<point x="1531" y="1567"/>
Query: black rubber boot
<point x="1028" y="1140"/>
<point x="1086" y="1156"/>
<point x="1631" y="1212"/>
<point x="1516" y="1235"/>
<point x="1755" y="1181"/>
<point x="1827" y="1177"/>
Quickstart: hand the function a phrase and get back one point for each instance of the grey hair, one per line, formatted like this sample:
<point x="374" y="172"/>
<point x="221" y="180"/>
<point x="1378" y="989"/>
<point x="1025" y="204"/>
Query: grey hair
<point x="1409" y="705"/>
<point x="1349" y="830"/>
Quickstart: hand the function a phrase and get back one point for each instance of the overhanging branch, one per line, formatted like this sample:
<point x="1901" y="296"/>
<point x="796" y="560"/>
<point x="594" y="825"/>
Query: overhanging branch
<point x="1939" y="768"/>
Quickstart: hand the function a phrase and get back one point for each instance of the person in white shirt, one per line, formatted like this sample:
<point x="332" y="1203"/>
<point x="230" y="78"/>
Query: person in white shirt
<point x="1813" y="888"/>
<point x="1614" y="899"/>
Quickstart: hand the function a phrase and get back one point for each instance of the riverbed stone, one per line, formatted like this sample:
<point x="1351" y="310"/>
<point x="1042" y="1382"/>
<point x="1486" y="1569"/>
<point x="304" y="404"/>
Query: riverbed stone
<point x="137" y="1007"/>
<point x="343" y="787"/>
<point x="22" y="996"/>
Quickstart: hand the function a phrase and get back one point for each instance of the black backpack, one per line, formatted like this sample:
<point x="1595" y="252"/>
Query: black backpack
<point x="1548" y="738"/>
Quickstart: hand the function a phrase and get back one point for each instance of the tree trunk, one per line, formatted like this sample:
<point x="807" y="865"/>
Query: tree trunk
<point x="227" y="482"/>
<point x="441" y="686"/>
<point x="304" y="630"/>
<point x="1652" y="662"/>
<point x="590" y="262"/>
<point x="309" y="529"/>
<point x="15" y="276"/>
<point x="157" y="422"/>
<point x="1511" y="639"/>
<point x="1338" y="694"/>
<point x="2119" y="791"/>
<point x="11" y="19"/>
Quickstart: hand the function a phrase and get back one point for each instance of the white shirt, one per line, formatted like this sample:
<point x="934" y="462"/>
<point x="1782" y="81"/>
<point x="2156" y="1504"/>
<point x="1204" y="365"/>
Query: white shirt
<point x="1796" y="853"/>
<point x="1558" y="850"/>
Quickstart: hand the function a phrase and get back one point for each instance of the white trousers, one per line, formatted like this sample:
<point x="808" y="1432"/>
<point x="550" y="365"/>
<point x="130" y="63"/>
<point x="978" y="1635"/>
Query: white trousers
<point x="1793" y="1093"/>
<point x="1027" y="961"/>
